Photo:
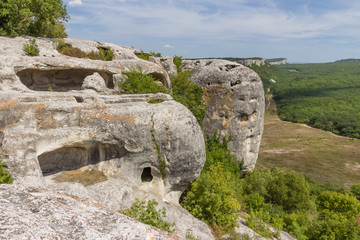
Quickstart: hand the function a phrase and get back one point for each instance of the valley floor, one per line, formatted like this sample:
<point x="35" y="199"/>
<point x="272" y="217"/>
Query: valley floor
<point x="320" y="155"/>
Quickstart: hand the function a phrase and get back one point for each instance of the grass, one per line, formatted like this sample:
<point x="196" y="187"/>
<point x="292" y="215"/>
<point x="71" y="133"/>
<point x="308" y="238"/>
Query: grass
<point x="320" y="155"/>
<point x="86" y="178"/>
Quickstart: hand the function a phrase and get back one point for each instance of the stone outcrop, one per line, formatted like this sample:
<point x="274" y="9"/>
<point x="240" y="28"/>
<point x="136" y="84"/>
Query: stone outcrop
<point x="277" y="61"/>
<point x="235" y="104"/>
<point x="59" y="113"/>
<point x="34" y="213"/>
<point x="249" y="62"/>
<point x="167" y="63"/>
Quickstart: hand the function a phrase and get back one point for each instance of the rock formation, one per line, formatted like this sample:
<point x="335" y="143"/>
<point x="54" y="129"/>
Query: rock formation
<point x="36" y="213"/>
<point x="60" y="113"/>
<point x="277" y="61"/>
<point x="235" y="98"/>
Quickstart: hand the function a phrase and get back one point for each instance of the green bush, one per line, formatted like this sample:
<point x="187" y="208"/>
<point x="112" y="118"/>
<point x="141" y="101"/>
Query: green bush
<point x="258" y="222"/>
<point x="214" y="196"/>
<point x="332" y="225"/>
<point x="105" y="54"/>
<point x="31" y="48"/>
<point x="254" y="202"/>
<point x="345" y="204"/>
<point x="217" y="151"/>
<point x="287" y="189"/>
<point x="177" y="61"/>
<point x="189" y="94"/>
<point x="298" y="224"/>
<point x="4" y="174"/>
<point x="145" y="56"/>
<point x="140" y="83"/>
<point x="356" y="191"/>
<point x="148" y="214"/>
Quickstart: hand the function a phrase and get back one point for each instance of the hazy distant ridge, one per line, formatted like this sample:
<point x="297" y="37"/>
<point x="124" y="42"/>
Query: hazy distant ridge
<point x="349" y="60"/>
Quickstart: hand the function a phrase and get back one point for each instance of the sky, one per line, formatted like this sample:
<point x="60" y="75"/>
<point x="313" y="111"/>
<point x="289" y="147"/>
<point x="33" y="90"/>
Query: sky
<point x="304" y="31"/>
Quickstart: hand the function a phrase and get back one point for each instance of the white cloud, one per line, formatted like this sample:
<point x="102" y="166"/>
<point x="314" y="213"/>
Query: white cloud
<point x="214" y="25"/>
<point x="74" y="3"/>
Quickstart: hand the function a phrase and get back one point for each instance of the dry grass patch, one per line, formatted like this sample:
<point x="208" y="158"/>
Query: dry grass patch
<point x="320" y="155"/>
<point x="86" y="178"/>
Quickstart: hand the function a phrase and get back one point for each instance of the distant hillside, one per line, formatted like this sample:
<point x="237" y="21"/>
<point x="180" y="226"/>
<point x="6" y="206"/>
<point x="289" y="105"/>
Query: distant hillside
<point x="233" y="59"/>
<point x="349" y="60"/>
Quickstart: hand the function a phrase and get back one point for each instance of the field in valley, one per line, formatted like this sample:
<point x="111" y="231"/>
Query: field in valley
<point x="320" y="155"/>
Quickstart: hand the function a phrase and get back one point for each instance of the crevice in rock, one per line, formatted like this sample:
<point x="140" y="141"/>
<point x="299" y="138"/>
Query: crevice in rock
<point x="60" y="79"/>
<point x="77" y="156"/>
<point x="146" y="175"/>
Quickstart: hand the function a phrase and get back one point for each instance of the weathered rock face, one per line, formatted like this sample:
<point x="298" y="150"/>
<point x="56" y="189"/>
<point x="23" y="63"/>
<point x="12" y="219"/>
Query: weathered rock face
<point x="167" y="63"/>
<point x="41" y="214"/>
<point x="235" y="105"/>
<point x="277" y="61"/>
<point x="249" y="62"/>
<point x="53" y="118"/>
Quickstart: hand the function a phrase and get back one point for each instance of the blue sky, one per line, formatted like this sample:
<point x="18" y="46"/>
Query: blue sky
<point x="300" y="30"/>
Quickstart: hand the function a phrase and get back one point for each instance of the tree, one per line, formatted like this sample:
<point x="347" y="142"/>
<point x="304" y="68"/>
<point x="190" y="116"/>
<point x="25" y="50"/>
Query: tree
<point x="38" y="18"/>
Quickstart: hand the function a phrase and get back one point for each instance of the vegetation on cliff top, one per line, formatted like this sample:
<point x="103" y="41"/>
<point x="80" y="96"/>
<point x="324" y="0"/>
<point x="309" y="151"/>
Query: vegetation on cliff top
<point x="147" y="213"/>
<point x="104" y="53"/>
<point x="183" y="90"/>
<point x="41" y="18"/>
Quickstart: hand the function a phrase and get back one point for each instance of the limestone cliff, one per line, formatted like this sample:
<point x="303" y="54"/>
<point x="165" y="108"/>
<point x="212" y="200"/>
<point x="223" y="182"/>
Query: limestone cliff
<point x="236" y="105"/>
<point x="248" y="62"/>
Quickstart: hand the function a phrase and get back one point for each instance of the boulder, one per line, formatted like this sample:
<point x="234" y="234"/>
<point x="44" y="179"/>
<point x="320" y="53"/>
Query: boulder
<point x="95" y="82"/>
<point x="235" y="105"/>
<point x="52" y="120"/>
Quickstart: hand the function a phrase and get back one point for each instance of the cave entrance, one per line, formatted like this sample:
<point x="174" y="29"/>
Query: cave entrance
<point x="75" y="157"/>
<point x="146" y="175"/>
<point x="61" y="79"/>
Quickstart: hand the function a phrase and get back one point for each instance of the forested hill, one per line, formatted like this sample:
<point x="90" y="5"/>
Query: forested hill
<point x="325" y="96"/>
<point x="349" y="60"/>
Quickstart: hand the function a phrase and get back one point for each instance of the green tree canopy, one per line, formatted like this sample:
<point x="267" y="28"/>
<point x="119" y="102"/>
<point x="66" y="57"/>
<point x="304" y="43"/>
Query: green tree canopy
<point x="38" y="18"/>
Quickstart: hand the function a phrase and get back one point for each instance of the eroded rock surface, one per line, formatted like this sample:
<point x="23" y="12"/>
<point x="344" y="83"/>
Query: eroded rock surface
<point x="235" y="105"/>
<point x="60" y="113"/>
<point x="35" y="213"/>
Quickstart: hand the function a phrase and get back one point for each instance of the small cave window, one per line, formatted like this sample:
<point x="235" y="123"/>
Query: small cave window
<point x="79" y="99"/>
<point x="146" y="175"/>
<point x="244" y="117"/>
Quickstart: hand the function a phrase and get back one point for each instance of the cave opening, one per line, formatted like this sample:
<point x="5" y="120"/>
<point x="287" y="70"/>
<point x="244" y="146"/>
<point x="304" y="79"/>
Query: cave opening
<point x="77" y="156"/>
<point x="146" y="175"/>
<point x="60" y="79"/>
